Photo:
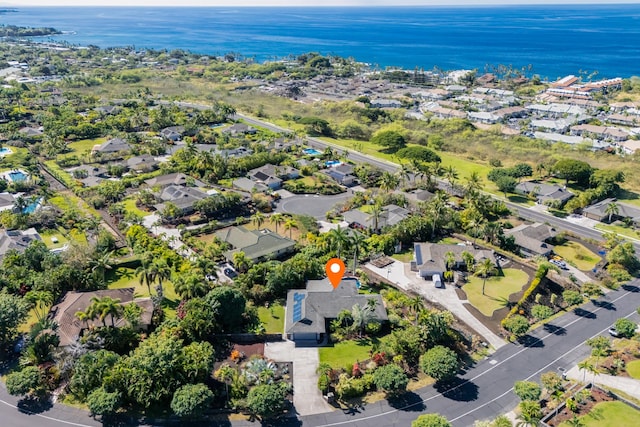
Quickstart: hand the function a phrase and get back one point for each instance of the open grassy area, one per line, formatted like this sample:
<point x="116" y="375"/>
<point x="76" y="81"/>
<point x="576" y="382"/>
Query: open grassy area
<point x="49" y="235"/>
<point x="497" y="289"/>
<point x="15" y="160"/>
<point x="610" y="414"/>
<point x="84" y="145"/>
<point x="404" y="256"/>
<point x="633" y="369"/>
<point x="346" y="352"/>
<point x="126" y="278"/>
<point x="66" y="200"/>
<point x="272" y="318"/>
<point x="295" y="233"/>
<point x="623" y="231"/>
<point x="130" y="206"/>
<point x="578" y="255"/>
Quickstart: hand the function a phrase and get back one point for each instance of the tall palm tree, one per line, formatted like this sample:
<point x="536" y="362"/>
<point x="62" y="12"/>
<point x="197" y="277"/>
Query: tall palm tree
<point x="484" y="269"/>
<point x="104" y="307"/>
<point x="357" y="241"/>
<point x="189" y="286"/>
<point x="416" y="305"/>
<point x="145" y="271"/>
<point x="361" y="316"/>
<point x="436" y="208"/>
<point x="290" y="224"/>
<point x="41" y="301"/>
<point x="473" y="183"/>
<point x="276" y="219"/>
<point x="162" y="272"/>
<point x="241" y="262"/>
<point x="257" y="219"/>
<point x="449" y="259"/>
<point x="451" y="175"/>
<point x="375" y="215"/>
<point x="101" y="264"/>
<point x="584" y="366"/>
<point x="612" y="209"/>
<point x="469" y="260"/>
<point x="388" y="181"/>
<point x="339" y="239"/>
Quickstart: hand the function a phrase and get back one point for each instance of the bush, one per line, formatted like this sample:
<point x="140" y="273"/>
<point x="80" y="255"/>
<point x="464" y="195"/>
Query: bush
<point x="267" y="400"/>
<point x="572" y="297"/>
<point x="527" y="390"/>
<point x="591" y="290"/>
<point x="517" y="325"/>
<point x="391" y="379"/>
<point x="191" y="400"/>
<point x="625" y="327"/>
<point x="27" y="381"/>
<point x="541" y="312"/>
<point x="430" y="420"/>
<point x="102" y="402"/>
<point x="440" y="363"/>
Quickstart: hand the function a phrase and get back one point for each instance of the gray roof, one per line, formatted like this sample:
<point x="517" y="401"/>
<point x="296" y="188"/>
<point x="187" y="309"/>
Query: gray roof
<point x="532" y="237"/>
<point x="142" y="162"/>
<point x="307" y="309"/>
<point x="17" y="240"/>
<point x="248" y="185"/>
<point x="544" y="191"/>
<point x="6" y="201"/>
<point x="255" y="244"/>
<point x="624" y="210"/>
<point x="269" y="170"/>
<point x="391" y="215"/>
<point x="182" y="197"/>
<point x="176" y="178"/>
<point x="432" y="256"/>
<point x="113" y="145"/>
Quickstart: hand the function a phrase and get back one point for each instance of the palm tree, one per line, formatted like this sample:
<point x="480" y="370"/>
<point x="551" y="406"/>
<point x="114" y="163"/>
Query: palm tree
<point x="276" y="219"/>
<point x="145" y="271"/>
<point x="449" y="260"/>
<point x="485" y="268"/>
<point x="575" y="422"/>
<point x="190" y="286"/>
<point x="104" y="307"/>
<point x="416" y="305"/>
<point x="388" y="182"/>
<point x="473" y="183"/>
<point x="162" y="272"/>
<point x="451" y="175"/>
<point x="339" y="239"/>
<point x="361" y="316"/>
<point x="241" y="262"/>
<point x="101" y="264"/>
<point x="475" y="223"/>
<point x="469" y="260"/>
<point x="585" y="366"/>
<point x="290" y="224"/>
<point x="41" y="301"/>
<point x="612" y="209"/>
<point x="375" y="214"/>
<point x="357" y="241"/>
<point x="530" y="414"/>
<point x="257" y="219"/>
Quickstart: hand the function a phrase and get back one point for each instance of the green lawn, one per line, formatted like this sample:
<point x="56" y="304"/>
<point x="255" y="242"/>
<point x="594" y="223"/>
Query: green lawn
<point x="47" y="238"/>
<point x="623" y="231"/>
<point x="15" y="160"/>
<point x="346" y="352"/>
<point x="272" y="318"/>
<point x="404" y="256"/>
<point x="66" y="201"/>
<point x="80" y="147"/>
<point x="577" y="255"/>
<point x="126" y="278"/>
<point x="633" y="369"/>
<point x="130" y="206"/>
<point x="496" y="290"/>
<point x="610" y="414"/>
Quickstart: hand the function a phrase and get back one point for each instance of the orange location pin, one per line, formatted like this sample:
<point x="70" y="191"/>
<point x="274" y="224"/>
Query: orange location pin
<point x="335" y="270"/>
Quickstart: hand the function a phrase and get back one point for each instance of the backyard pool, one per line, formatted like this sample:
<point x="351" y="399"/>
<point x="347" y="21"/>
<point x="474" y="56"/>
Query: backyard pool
<point x="32" y="207"/>
<point x="4" y="151"/>
<point x="17" y="176"/>
<point x="311" y="152"/>
<point x="332" y="163"/>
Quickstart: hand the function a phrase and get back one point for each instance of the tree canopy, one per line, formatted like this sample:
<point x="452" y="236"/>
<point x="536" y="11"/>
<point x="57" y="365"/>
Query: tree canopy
<point x="440" y="363"/>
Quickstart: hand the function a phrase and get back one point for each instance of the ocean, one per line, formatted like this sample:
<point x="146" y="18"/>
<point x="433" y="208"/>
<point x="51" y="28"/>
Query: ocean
<point x="554" y="40"/>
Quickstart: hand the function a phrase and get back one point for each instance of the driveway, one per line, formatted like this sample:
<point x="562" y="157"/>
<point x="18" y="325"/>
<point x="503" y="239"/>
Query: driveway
<point x="310" y="204"/>
<point x="400" y="273"/>
<point x="307" y="398"/>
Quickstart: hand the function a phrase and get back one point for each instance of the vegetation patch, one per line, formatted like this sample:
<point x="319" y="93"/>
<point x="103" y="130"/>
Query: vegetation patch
<point x="609" y="414"/>
<point x="497" y="290"/>
<point x="578" y="255"/>
<point x="272" y="318"/>
<point x="633" y="369"/>
<point x="346" y="352"/>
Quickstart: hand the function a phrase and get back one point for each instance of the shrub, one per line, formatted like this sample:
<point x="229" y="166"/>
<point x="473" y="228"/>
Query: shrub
<point x="391" y="379"/>
<point x="430" y="420"/>
<point x="102" y="402"/>
<point x="527" y="390"/>
<point x="191" y="400"/>
<point x="517" y="325"/>
<point x="440" y="363"/>
<point x="541" y="312"/>
<point x="572" y="297"/>
<point x="625" y="327"/>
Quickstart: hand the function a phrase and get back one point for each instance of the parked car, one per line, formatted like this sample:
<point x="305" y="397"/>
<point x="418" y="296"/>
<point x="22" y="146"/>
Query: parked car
<point x="613" y="332"/>
<point x="230" y="273"/>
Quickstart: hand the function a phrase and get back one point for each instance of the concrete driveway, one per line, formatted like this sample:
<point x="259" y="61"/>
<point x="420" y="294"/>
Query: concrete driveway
<point x="311" y="204"/>
<point x="307" y="398"/>
<point x="400" y="273"/>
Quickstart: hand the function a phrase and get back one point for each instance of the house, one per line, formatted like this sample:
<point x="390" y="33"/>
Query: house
<point x="6" y="201"/>
<point x="600" y="132"/>
<point x="532" y="239"/>
<point x="385" y="103"/>
<point x="543" y="192"/>
<point x="30" y="132"/>
<point x="17" y="240"/>
<point x="390" y="215"/>
<point x="172" y="133"/>
<point x="416" y="196"/>
<point x="143" y="163"/>
<point x="240" y="129"/>
<point x="245" y="184"/>
<point x="175" y="178"/>
<point x="181" y="196"/>
<point x="107" y="110"/>
<point x="94" y="175"/>
<point x="310" y="310"/>
<point x="114" y="145"/>
<point x="629" y="146"/>
<point x="598" y="211"/>
<point x="70" y="327"/>
<point x="272" y="176"/>
<point x="430" y="259"/>
<point x="257" y="245"/>
<point x="342" y="174"/>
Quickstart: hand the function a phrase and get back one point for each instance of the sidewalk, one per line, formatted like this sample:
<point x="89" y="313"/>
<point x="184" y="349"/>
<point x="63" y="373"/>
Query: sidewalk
<point x="401" y="274"/>
<point x="307" y="398"/>
<point x="628" y="385"/>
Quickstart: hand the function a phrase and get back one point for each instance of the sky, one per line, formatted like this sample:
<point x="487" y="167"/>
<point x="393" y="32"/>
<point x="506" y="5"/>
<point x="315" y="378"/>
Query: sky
<point x="237" y="3"/>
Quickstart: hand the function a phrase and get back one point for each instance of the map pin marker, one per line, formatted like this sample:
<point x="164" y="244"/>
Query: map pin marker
<point x="335" y="270"/>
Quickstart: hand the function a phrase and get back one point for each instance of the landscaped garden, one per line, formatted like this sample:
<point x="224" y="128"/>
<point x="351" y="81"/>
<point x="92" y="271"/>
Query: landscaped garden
<point x="578" y="255"/>
<point x="498" y="289"/>
<point x="609" y="414"/>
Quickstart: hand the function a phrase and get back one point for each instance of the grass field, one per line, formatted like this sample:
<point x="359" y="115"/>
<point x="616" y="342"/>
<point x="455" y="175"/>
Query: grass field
<point x="16" y="159"/>
<point x="130" y="206"/>
<point x="272" y="318"/>
<point x="346" y="352"/>
<point x="497" y="289"/>
<point x="577" y="255"/>
<point x="633" y="369"/>
<point x="84" y="145"/>
<point x="610" y="414"/>
<point x="47" y="238"/>
<point x="295" y="233"/>
<point x="623" y="231"/>
<point x="66" y="200"/>
<point x="126" y="278"/>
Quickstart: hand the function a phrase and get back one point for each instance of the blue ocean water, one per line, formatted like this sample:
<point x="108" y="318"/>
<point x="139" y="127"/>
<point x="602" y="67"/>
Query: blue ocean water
<point x="555" y="40"/>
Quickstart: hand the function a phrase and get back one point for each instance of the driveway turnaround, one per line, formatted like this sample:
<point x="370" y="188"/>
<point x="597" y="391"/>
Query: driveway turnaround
<point x="311" y="204"/>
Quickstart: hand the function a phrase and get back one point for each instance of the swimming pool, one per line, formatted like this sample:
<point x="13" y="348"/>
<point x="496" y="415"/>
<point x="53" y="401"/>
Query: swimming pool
<point x="17" y="176"/>
<point x="311" y="152"/>
<point x="332" y="163"/>
<point x="32" y="207"/>
<point x="4" y="151"/>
